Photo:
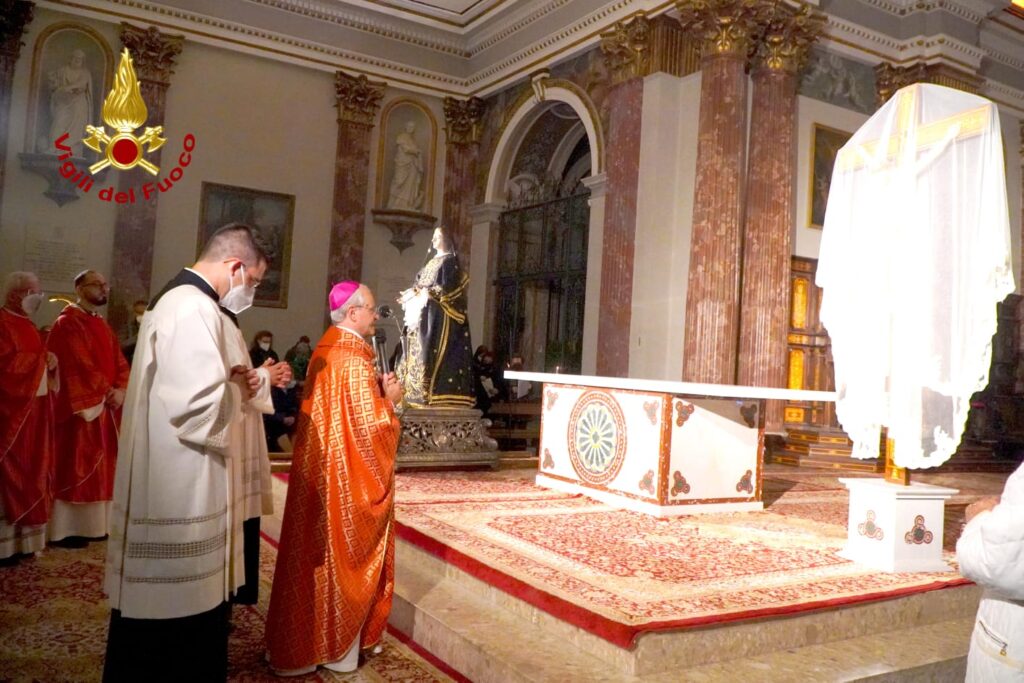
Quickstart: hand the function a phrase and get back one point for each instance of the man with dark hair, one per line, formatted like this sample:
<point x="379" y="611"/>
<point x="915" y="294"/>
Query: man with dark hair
<point x="175" y="553"/>
<point x="94" y="375"/>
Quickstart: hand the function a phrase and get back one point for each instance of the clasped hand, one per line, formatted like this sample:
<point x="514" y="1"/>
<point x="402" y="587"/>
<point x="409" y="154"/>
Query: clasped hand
<point x="392" y="388"/>
<point x="280" y="373"/>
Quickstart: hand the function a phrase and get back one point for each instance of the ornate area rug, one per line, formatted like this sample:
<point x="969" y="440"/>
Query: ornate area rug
<point x="53" y="627"/>
<point x="618" y="574"/>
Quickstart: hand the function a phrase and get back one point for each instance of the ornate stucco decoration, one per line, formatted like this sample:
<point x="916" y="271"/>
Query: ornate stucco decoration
<point x="787" y="39"/>
<point x="462" y="120"/>
<point x="14" y="19"/>
<point x="627" y="48"/>
<point x="889" y="78"/>
<point x="724" y="27"/>
<point x="153" y="52"/>
<point x="358" y="98"/>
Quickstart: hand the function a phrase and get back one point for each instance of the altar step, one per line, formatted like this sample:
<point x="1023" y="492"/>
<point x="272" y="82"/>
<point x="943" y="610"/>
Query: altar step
<point x="492" y="637"/>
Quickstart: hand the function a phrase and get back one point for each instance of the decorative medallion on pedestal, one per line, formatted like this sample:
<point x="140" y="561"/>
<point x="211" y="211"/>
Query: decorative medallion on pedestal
<point x="679" y="484"/>
<point x="869" y="528"/>
<point x="549" y="462"/>
<point x="919" y="534"/>
<point x="445" y="437"/>
<point x="651" y="408"/>
<point x="745" y="483"/>
<point x="552" y="396"/>
<point x="597" y="438"/>
<point x="647" y="483"/>
<point x="683" y="412"/>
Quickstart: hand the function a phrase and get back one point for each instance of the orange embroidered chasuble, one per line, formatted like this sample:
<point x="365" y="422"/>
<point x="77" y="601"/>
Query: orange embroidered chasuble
<point x="335" y="565"/>
<point x="90" y="364"/>
<point x="26" y="424"/>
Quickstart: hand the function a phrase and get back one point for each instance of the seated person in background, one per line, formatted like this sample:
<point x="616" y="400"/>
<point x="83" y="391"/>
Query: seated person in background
<point x="518" y="389"/>
<point x="282" y="421"/>
<point x="262" y="348"/>
<point x="487" y="383"/>
<point x="298" y="358"/>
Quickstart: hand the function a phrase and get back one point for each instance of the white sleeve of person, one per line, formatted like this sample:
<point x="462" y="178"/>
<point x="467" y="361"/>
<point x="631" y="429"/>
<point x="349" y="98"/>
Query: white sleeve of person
<point x="991" y="548"/>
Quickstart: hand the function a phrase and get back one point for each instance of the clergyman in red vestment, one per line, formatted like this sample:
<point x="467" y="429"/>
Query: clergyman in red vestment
<point x="335" y="568"/>
<point x="94" y="374"/>
<point x="26" y="420"/>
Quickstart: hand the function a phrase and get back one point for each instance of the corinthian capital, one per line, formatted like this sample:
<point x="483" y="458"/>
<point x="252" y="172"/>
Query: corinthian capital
<point x="723" y="27"/>
<point x="788" y="37"/>
<point x="627" y="48"/>
<point x="462" y="120"/>
<point x="358" y="98"/>
<point x="889" y="79"/>
<point x="153" y="52"/>
<point x="15" y="16"/>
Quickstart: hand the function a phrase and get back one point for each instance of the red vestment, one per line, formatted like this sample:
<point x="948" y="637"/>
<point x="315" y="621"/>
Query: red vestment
<point x="90" y="363"/>
<point x="26" y="424"/>
<point x="335" y="566"/>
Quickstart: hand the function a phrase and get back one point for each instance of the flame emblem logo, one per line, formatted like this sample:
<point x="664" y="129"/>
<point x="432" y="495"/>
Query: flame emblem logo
<point x="124" y="110"/>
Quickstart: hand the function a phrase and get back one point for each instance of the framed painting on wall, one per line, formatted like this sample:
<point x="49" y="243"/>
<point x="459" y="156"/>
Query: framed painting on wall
<point x="825" y="145"/>
<point x="270" y="214"/>
<point x="72" y="68"/>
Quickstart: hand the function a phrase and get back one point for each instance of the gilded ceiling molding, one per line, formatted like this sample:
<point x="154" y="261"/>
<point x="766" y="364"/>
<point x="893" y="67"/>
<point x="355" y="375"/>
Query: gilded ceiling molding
<point x="462" y="120"/>
<point x="724" y="27"/>
<point x="358" y="98"/>
<point x="15" y="16"/>
<point x="627" y="48"/>
<point x="788" y="38"/>
<point x="889" y="78"/>
<point x="153" y="52"/>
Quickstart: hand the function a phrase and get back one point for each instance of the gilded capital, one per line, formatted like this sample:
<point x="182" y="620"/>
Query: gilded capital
<point x="153" y="52"/>
<point x="723" y="27"/>
<point x="15" y="16"/>
<point x="787" y="40"/>
<point x="627" y="48"/>
<point x="358" y="98"/>
<point x="462" y="120"/>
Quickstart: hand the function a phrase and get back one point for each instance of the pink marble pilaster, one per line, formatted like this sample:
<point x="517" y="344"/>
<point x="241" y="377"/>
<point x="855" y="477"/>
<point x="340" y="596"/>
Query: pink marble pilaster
<point x="14" y="19"/>
<point x="622" y="167"/>
<point x="131" y="277"/>
<point x="462" y="132"/>
<point x="358" y="100"/>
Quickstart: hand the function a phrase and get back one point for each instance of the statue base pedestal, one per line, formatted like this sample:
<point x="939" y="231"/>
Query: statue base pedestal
<point x="445" y="437"/>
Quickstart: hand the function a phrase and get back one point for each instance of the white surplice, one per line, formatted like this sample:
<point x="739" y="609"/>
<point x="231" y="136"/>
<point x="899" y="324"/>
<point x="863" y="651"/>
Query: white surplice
<point x="915" y="256"/>
<point x="175" y="545"/>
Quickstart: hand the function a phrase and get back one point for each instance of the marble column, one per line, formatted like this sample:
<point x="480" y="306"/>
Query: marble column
<point x="462" y="133"/>
<point x="626" y="50"/>
<point x="486" y="220"/>
<point x="598" y="186"/>
<point x="358" y="100"/>
<point x="153" y="55"/>
<point x="770" y="207"/>
<point x="14" y="19"/>
<point x="725" y="29"/>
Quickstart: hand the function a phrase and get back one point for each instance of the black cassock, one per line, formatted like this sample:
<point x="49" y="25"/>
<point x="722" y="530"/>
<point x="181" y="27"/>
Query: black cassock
<point x="438" y="371"/>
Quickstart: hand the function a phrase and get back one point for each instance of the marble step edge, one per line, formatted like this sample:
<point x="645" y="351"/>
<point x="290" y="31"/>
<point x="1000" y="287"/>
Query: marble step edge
<point x="929" y="654"/>
<point x="666" y="650"/>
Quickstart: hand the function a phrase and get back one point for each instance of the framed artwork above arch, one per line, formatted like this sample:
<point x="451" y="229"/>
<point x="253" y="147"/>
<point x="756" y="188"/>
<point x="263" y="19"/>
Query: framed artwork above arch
<point x="406" y="157"/>
<point x="72" y="70"/>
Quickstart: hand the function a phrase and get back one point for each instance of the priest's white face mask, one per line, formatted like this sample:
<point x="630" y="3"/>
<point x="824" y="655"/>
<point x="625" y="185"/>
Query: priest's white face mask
<point x="31" y="302"/>
<point x="239" y="296"/>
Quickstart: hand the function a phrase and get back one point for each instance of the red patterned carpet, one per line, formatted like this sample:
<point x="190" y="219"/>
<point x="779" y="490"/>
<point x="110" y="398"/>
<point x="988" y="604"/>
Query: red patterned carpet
<point x="618" y="574"/>
<point x="53" y="627"/>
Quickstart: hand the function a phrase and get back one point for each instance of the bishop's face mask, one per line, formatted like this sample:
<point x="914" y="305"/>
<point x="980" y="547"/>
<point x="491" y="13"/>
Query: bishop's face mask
<point x="240" y="296"/>
<point x="31" y="302"/>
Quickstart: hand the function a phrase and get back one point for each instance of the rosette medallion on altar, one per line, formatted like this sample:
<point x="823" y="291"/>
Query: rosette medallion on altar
<point x="437" y="370"/>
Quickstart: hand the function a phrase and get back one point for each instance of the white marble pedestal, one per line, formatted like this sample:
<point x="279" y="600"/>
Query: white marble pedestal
<point x="896" y="528"/>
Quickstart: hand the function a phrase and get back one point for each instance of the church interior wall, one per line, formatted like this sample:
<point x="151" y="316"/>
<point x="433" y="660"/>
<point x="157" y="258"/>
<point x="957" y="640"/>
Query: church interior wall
<point x="78" y="234"/>
<point x="810" y="111"/>
<point x="263" y="125"/>
<point x="386" y="270"/>
<point x="1010" y="126"/>
<point x="668" y="168"/>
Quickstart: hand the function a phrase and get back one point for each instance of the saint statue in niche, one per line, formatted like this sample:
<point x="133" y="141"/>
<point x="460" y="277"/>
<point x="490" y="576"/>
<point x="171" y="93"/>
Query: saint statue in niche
<point x="438" y="368"/>
<point x="70" y="101"/>
<point x="406" y="192"/>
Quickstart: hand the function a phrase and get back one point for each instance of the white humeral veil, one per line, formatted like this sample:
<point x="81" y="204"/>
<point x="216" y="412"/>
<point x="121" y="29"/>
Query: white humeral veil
<point x="914" y="259"/>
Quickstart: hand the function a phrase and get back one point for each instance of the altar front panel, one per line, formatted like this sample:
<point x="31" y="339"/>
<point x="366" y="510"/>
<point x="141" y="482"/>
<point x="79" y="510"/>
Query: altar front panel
<point x="651" y="452"/>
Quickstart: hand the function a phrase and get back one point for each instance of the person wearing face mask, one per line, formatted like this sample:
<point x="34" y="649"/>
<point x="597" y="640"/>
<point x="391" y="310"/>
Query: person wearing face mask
<point x="298" y="358"/>
<point x="175" y="554"/>
<point x="26" y="421"/>
<point x="263" y="348"/>
<point x="94" y="375"/>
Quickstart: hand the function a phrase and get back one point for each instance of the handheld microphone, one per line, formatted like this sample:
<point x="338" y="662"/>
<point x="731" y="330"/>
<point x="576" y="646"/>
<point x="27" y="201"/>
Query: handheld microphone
<point x="380" y="347"/>
<point x="386" y="312"/>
